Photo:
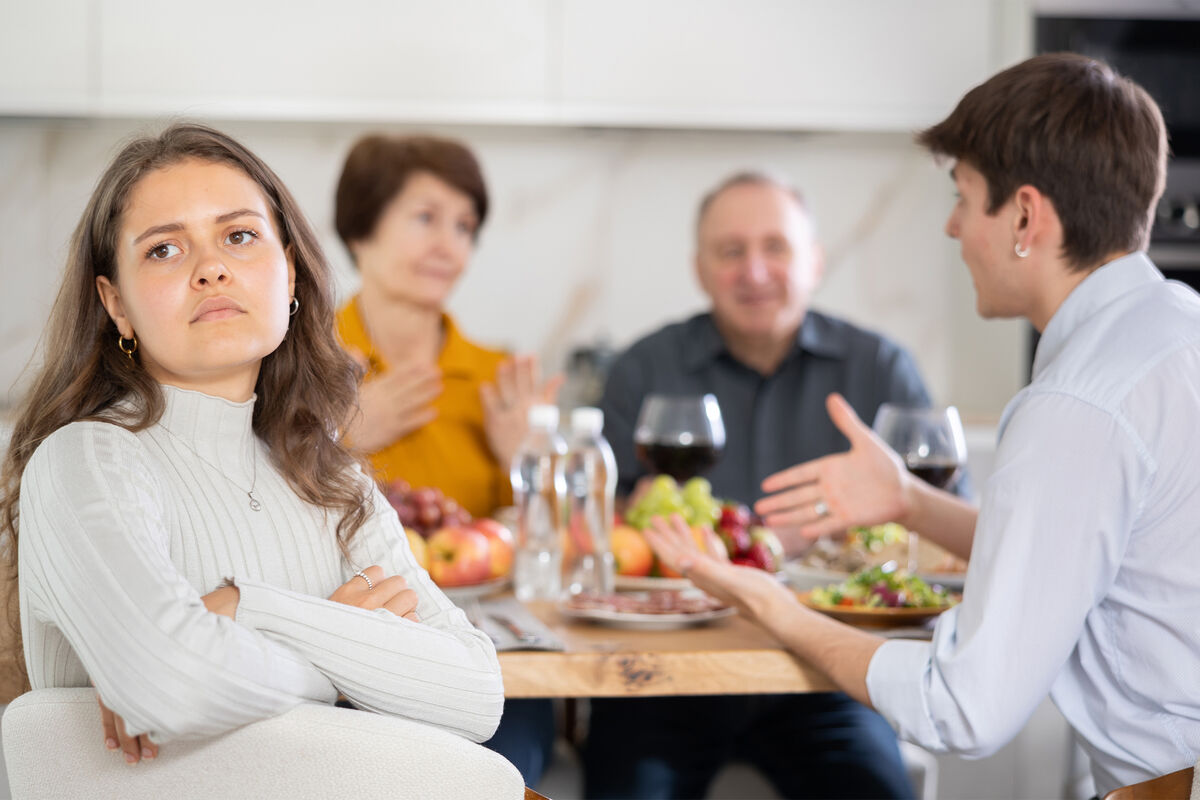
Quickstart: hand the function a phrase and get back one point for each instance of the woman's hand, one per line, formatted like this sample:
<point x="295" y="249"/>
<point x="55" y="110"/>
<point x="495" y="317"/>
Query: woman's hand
<point x="135" y="747"/>
<point x="393" y="405"/>
<point x="751" y="589"/>
<point x="506" y="403"/>
<point x="223" y="601"/>
<point x="390" y="593"/>
<point x="866" y="485"/>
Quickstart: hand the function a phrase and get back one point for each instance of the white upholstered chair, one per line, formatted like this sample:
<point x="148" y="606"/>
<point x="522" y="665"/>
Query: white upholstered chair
<point x="53" y="748"/>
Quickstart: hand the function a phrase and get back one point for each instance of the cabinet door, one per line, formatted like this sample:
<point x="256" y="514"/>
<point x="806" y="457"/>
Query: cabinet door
<point x="371" y="59"/>
<point x="851" y="64"/>
<point x="44" y="56"/>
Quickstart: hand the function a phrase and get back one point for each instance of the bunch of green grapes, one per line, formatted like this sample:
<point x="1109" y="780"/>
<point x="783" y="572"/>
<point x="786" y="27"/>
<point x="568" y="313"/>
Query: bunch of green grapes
<point x="694" y="502"/>
<point x="702" y="508"/>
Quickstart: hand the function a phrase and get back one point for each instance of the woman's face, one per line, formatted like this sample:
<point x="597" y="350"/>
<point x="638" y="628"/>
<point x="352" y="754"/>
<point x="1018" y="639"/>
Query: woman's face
<point x="203" y="280"/>
<point x="421" y="243"/>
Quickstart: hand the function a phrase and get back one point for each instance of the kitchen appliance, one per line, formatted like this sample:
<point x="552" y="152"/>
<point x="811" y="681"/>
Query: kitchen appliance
<point x="1163" y="55"/>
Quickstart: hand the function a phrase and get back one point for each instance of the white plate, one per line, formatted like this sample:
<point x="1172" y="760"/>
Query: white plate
<point x="474" y="591"/>
<point x="947" y="580"/>
<point x="646" y="622"/>
<point x="802" y="577"/>
<point x="648" y="583"/>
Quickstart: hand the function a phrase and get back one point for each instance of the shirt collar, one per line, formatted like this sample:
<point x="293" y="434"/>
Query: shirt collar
<point x="1106" y="284"/>
<point x="816" y="336"/>
<point x="457" y="357"/>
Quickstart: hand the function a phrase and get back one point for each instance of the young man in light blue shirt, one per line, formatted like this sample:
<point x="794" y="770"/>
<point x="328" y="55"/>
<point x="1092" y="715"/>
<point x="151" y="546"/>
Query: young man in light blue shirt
<point x="1083" y="577"/>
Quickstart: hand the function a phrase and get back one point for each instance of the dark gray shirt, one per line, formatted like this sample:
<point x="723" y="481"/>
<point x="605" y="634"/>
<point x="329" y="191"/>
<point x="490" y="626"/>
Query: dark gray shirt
<point x="771" y="422"/>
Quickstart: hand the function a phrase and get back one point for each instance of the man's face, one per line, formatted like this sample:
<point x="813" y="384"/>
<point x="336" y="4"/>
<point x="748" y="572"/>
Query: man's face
<point x="757" y="260"/>
<point x="987" y="242"/>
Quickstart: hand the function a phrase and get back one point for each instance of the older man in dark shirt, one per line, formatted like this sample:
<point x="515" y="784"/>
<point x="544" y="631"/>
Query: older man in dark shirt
<point x="770" y="361"/>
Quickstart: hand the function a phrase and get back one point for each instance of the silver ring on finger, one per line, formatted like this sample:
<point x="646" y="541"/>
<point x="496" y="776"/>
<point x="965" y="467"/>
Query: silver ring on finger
<point x="363" y="575"/>
<point x="821" y="508"/>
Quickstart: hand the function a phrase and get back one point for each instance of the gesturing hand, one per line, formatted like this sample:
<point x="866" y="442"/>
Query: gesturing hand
<point x="391" y="593"/>
<point x="506" y="403"/>
<point x="749" y="588"/>
<point x="866" y="485"/>
<point x="394" y="404"/>
<point x="135" y="747"/>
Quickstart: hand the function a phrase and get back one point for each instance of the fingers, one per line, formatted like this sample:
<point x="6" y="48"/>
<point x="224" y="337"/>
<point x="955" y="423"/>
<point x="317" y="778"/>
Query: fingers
<point x="403" y="604"/>
<point x="130" y="745"/>
<point x="792" y="507"/>
<point x="108" y="724"/>
<point x="528" y="376"/>
<point x="359" y="357"/>
<point x="490" y="398"/>
<point x="549" y="390"/>
<point x="843" y="416"/>
<point x="506" y="383"/>
<point x="808" y="472"/>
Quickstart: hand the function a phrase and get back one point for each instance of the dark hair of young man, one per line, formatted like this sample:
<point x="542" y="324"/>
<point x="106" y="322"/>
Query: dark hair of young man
<point x="1089" y="139"/>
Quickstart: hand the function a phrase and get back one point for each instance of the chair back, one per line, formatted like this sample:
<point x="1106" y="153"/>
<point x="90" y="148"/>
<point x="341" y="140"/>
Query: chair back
<point x="1181" y="785"/>
<point x="53" y="747"/>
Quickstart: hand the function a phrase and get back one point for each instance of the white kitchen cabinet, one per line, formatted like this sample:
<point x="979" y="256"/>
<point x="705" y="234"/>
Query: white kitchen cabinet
<point x="736" y="64"/>
<point x="792" y="64"/>
<point x="309" y="59"/>
<point x="45" y="50"/>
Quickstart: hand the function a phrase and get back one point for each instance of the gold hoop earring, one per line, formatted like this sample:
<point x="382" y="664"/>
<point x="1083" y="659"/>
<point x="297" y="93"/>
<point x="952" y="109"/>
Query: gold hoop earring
<point x="293" y="306"/>
<point x="130" y="349"/>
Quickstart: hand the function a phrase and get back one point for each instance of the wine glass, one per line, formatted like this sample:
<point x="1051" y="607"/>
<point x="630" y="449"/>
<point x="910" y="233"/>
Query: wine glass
<point x="679" y="435"/>
<point x="931" y="442"/>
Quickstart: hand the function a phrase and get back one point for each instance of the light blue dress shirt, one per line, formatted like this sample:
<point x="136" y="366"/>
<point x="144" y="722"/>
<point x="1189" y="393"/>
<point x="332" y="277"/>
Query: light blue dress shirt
<point x="1084" y="580"/>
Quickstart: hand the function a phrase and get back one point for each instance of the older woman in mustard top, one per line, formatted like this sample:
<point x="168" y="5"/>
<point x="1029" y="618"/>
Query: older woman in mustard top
<point x="436" y="408"/>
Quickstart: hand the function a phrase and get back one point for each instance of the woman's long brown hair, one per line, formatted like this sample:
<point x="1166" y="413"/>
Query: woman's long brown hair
<point x="305" y="388"/>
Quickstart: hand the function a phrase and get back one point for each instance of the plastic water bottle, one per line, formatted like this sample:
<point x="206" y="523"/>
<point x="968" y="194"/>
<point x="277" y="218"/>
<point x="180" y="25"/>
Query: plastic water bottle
<point x="537" y="568"/>
<point x="587" y="481"/>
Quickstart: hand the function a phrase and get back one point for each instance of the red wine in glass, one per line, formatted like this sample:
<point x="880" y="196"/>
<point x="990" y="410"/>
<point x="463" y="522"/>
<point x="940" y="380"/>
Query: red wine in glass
<point x="680" y="461"/>
<point x="931" y="442"/>
<point x="680" y="436"/>
<point x="941" y="473"/>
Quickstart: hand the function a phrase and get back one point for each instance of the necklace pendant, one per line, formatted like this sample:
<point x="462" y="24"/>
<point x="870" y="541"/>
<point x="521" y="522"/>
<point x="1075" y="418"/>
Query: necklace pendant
<point x="254" y="504"/>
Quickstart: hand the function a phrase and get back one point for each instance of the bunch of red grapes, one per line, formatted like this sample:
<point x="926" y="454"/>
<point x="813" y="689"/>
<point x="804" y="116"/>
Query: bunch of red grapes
<point x="424" y="510"/>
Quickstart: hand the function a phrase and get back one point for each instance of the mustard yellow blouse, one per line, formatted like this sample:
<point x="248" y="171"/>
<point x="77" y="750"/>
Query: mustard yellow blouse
<point x="451" y="452"/>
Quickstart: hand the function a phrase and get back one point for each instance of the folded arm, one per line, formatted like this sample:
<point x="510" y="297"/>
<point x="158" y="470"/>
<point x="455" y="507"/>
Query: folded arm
<point x="94" y="564"/>
<point x="440" y="670"/>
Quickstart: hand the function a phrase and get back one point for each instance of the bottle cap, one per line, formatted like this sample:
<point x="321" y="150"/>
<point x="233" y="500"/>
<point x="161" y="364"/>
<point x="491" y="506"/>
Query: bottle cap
<point x="543" y="416"/>
<point x="587" y="420"/>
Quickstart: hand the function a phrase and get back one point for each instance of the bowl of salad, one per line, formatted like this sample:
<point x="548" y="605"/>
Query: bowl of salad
<point x="881" y="596"/>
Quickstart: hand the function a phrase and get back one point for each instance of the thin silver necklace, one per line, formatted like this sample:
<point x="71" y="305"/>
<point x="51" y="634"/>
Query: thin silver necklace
<point x="255" y="505"/>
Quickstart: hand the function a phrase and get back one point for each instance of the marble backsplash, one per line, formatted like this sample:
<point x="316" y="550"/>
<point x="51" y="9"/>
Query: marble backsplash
<point x="591" y="235"/>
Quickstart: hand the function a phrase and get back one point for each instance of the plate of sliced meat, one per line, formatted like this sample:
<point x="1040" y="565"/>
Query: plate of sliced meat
<point x="648" y="611"/>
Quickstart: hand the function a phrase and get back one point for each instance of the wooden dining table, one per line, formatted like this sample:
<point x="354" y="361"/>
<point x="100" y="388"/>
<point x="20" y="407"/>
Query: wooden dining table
<point x="726" y="656"/>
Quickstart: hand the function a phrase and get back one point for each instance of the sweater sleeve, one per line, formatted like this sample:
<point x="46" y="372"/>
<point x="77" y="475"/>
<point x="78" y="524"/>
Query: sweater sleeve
<point x="94" y="563"/>
<point x="440" y="670"/>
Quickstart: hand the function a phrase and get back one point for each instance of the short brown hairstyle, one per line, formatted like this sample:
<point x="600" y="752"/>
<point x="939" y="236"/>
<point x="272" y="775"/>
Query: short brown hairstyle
<point x="1089" y="139"/>
<point x="378" y="167"/>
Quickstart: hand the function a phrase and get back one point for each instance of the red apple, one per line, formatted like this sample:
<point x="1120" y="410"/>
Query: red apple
<point x="502" y="544"/>
<point x="459" y="556"/>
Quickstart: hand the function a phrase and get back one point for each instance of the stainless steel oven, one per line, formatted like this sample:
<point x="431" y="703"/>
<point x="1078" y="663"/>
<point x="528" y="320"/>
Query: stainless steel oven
<point x="1163" y="55"/>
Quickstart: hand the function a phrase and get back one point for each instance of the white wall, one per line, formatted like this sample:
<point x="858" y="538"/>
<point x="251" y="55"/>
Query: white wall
<point x="591" y="233"/>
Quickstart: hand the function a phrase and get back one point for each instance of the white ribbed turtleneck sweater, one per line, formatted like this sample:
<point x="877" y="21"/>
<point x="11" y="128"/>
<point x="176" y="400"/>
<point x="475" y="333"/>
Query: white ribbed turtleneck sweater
<point x="122" y="533"/>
